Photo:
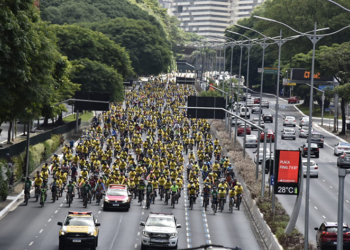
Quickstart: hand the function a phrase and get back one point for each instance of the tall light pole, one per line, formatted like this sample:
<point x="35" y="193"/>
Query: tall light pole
<point x="249" y="46"/>
<point x="314" y="38"/>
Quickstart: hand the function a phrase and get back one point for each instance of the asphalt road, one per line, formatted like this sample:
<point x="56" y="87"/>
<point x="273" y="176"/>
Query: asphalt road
<point x="324" y="189"/>
<point x="32" y="227"/>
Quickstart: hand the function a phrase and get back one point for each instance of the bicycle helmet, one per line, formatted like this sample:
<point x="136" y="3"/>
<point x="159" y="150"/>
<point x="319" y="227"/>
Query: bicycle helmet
<point x="222" y="188"/>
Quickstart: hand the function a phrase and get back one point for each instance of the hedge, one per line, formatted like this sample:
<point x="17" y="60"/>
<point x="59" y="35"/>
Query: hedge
<point x="5" y="175"/>
<point x="37" y="154"/>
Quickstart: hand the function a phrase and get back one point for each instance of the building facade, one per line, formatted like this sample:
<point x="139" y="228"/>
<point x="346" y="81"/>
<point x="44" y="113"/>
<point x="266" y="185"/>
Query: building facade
<point x="209" y="17"/>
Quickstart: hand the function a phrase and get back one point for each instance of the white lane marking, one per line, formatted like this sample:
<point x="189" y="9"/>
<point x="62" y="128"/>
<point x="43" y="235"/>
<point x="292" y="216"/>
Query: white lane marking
<point x="330" y="186"/>
<point x="99" y="212"/>
<point x="49" y="220"/>
<point x="61" y="205"/>
<point x="143" y="213"/>
<point x="347" y="201"/>
<point x="138" y="233"/>
<point x="328" y="146"/>
<point x="315" y="207"/>
<point x="117" y="231"/>
<point x="135" y="245"/>
<point x="31" y="243"/>
<point x="324" y="181"/>
<point x="56" y="211"/>
<point x="324" y="216"/>
<point x="41" y="231"/>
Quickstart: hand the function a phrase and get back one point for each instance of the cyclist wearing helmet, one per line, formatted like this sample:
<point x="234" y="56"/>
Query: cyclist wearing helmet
<point x="167" y="186"/>
<point x="174" y="188"/>
<point x="70" y="189"/>
<point x="239" y="191"/>
<point x="27" y="186"/>
<point x="214" y="196"/>
<point x="100" y="188"/>
<point x="84" y="173"/>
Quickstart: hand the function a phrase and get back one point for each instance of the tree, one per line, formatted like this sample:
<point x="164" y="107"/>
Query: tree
<point x="149" y="51"/>
<point x="78" y="42"/>
<point x="332" y="60"/>
<point x="27" y="60"/>
<point x="96" y="76"/>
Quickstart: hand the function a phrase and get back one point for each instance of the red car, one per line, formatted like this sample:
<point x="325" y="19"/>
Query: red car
<point x="257" y="100"/>
<point x="293" y="99"/>
<point x="117" y="197"/>
<point x="240" y="130"/>
<point x="270" y="134"/>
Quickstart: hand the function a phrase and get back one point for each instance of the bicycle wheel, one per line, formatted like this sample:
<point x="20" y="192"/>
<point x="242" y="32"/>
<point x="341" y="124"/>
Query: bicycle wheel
<point x="26" y="199"/>
<point x="69" y="200"/>
<point x="238" y="203"/>
<point x="205" y="205"/>
<point x="191" y="203"/>
<point x="54" y="196"/>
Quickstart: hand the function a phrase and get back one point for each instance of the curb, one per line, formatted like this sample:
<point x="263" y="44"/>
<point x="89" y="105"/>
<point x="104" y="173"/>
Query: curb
<point x="7" y="208"/>
<point x="261" y="229"/>
<point x="320" y="128"/>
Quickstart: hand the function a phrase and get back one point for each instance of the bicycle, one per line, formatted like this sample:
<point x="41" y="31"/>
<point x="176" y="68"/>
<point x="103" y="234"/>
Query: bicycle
<point x="239" y="200"/>
<point x="54" y="195"/>
<point x="191" y="201"/>
<point x="141" y="197"/>
<point x="231" y="204"/>
<point x="69" y="198"/>
<point x="173" y="198"/>
<point x="85" y="199"/>
<point x="166" y="197"/>
<point x="26" y="196"/>
<point x="154" y="195"/>
<point x="221" y="204"/>
<point x="148" y="200"/>
<point x="205" y="203"/>
<point x="37" y="193"/>
<point x="98" y="196"/>
<point x="214" y="206"/>
<point x="161" y="192"/>
<point x="42" y="197"/>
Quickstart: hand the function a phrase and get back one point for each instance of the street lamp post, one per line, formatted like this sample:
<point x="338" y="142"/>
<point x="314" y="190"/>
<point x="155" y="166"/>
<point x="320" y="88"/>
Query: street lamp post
<point x="314" y="38"/>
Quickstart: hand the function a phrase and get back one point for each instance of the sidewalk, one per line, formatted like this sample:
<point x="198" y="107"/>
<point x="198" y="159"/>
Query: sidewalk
<point x="16" y="196"/>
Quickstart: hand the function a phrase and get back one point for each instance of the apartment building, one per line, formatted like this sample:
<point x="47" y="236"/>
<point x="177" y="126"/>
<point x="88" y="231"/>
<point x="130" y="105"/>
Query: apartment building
<point x="209" y="17"/>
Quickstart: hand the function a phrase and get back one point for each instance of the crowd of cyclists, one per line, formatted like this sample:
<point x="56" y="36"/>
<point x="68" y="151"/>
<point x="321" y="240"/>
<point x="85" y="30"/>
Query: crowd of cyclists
<point x="147" y="143"/>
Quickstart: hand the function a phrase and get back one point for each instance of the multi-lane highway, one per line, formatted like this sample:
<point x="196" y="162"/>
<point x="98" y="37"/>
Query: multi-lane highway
<point x="32" y="227"/>
<point x="324" y="189"/>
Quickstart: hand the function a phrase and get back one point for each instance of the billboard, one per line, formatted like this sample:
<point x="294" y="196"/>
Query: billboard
<point x="94" y="96"/>
<point x="210" y="102"/>
<point x="288" y="167"/>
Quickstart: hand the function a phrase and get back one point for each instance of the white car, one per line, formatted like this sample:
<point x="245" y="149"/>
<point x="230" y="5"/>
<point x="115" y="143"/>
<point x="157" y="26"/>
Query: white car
<point x="313" y="168"/>
<point x="256" y="109"/>
<point x="288" y="133"/>
<point x="304" y="121"/>
<point x="304" y="131"/>
<point x="256" y="121"/>
<point x="160" y="230"/>
<point x="261" y="152"/>
<point x="289" y="120"/>
<point x="244" y="112"/>
<point x="341" y="147"/>
<point x="251" y="141"/>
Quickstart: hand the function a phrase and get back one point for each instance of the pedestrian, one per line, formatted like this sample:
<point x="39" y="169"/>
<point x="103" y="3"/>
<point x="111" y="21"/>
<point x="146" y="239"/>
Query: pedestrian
<point x="71" y="143"/>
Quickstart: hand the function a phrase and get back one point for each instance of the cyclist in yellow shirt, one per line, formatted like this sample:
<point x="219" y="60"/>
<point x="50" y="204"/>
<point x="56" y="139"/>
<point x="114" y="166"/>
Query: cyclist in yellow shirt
<point x="239" y="191"/>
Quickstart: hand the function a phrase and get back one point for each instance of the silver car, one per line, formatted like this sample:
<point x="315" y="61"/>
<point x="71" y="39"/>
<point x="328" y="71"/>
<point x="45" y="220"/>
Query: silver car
<point x="313" y="168"/>
<point x="289" y="120"/>
<point x="251" y="141"/>
<point x="304" y="121"/>
<point x="341" y="147"/>
<point x="256" y="121"/>
<point x="261" y="152"/>
<point x="160" y="230"/>
<point x="256" y="109"/>
<point x="304" y="131"/>
<point x="288" y="133"/>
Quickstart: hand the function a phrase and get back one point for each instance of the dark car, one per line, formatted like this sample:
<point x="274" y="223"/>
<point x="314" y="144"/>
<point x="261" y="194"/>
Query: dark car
<point x="315" y="151"/>
<point x="117" y="197"/>
<point x="267" y="117"/>
<point x="326" y="236"/>
<point x="240" y="130"/>
<point x="317" y="137"/>
<point x="344" y="159"/>
<point x="293" y="99"/>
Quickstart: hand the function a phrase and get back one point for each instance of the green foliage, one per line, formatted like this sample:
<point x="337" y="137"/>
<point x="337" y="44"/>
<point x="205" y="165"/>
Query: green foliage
<point x="56" y="143"/>
<point x="96" y="76"/>
<point x="148" y="50"/>
<point x="4" y="178"/>
<point x="300" y="15"/>
<point x="77" y="43"/>
<point x="210" y="93"/>
<point x="19" y="164"/>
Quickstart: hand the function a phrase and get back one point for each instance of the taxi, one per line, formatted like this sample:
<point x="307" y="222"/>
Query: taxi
<point x="117" y="197"/>
<point x="79" y="229"/>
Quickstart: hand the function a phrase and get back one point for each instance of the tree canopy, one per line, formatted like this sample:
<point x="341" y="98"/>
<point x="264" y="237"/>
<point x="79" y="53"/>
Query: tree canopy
<point x="149" y="52"/>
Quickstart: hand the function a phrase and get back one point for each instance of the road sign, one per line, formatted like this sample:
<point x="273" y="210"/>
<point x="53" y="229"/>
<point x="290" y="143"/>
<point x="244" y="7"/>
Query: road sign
<point x="271" y="71"/>
<point x="286" y="82"/>
<point x="323" y="87"/>
<point x="287" y="168"/>
<point x="327" y="109"/>
<point x="272" y="180"/>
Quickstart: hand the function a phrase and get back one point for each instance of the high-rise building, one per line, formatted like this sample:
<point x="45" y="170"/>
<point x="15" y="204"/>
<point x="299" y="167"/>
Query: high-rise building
<point x="209" y="17"/>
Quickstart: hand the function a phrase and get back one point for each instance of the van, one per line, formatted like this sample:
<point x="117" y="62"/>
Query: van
<point x="244" y="112"/>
